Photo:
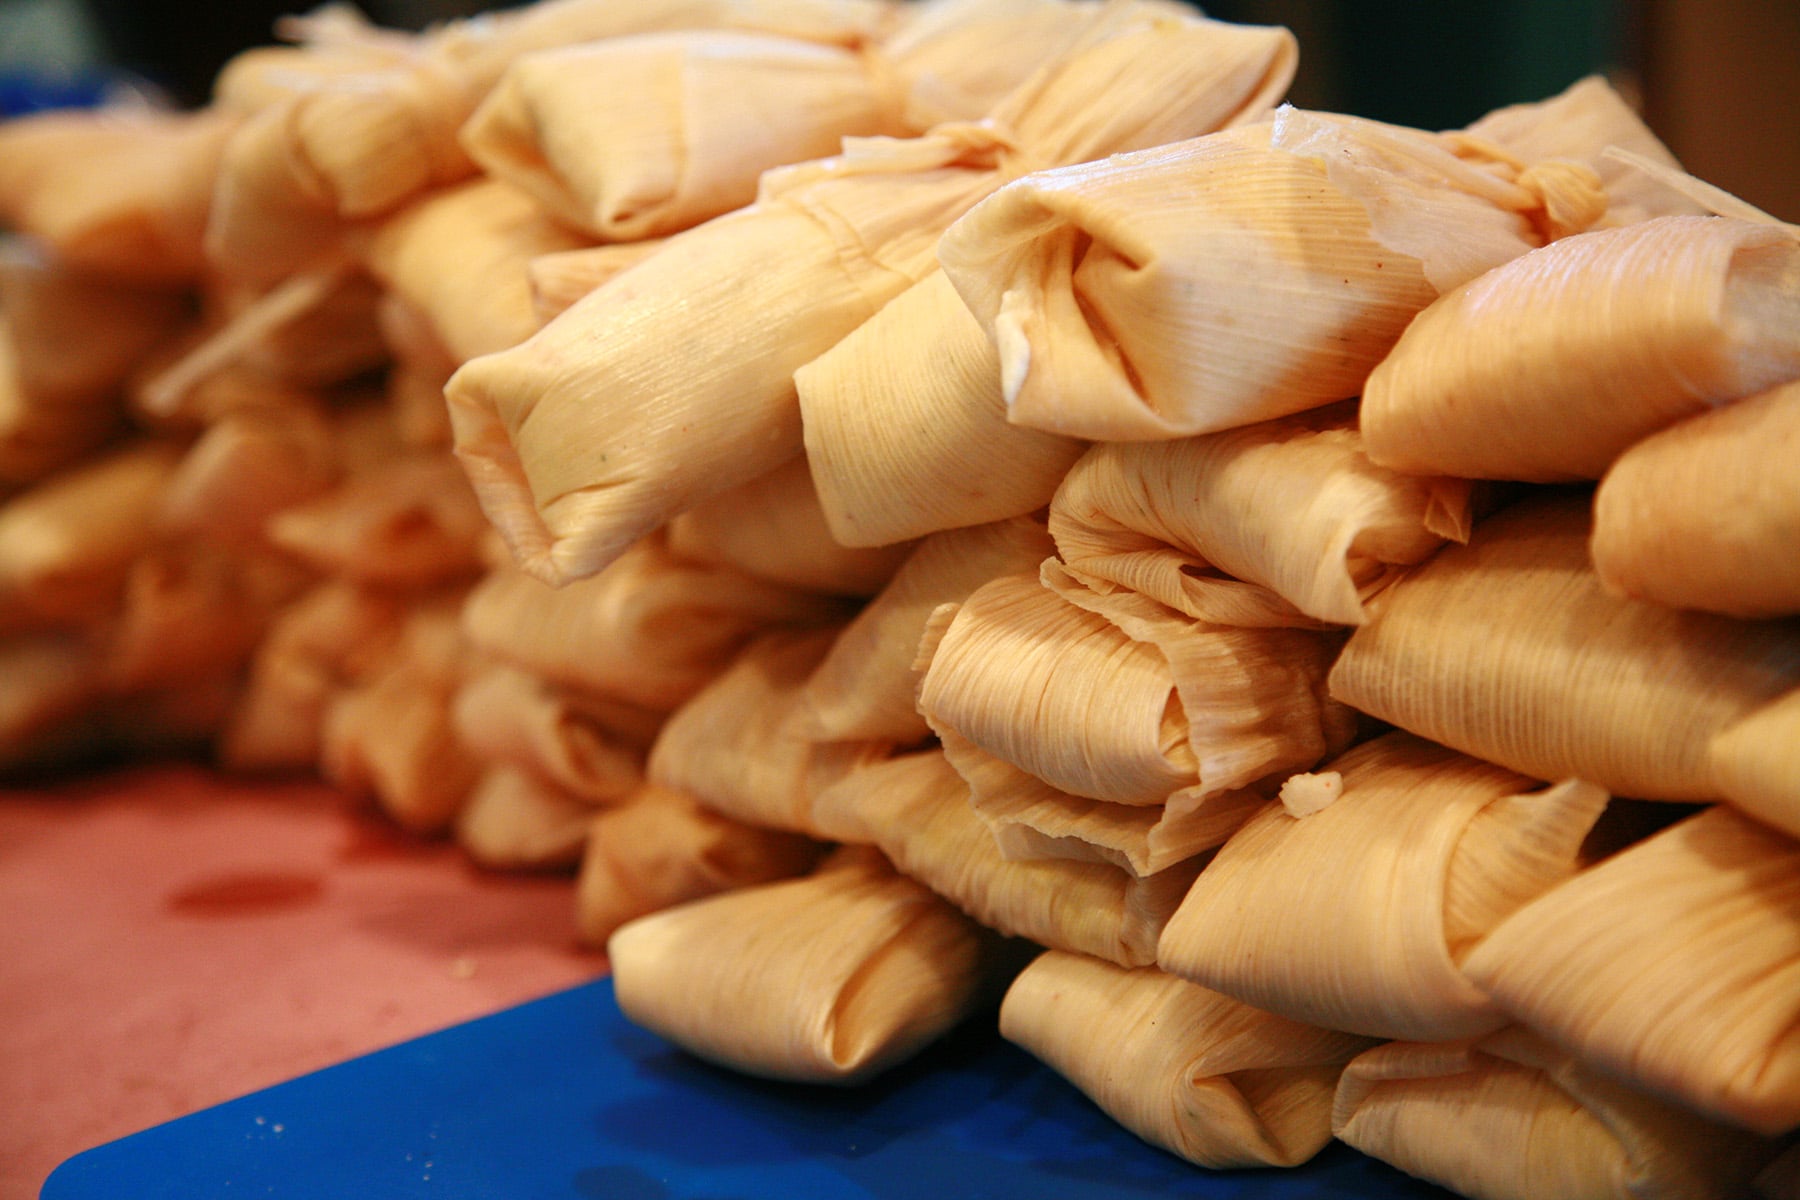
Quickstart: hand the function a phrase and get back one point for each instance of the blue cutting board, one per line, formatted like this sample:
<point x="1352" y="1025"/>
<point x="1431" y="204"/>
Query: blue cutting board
<point x="564" y="1099"/>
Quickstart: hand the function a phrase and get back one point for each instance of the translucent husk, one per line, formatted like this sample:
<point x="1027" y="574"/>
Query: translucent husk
<point x="664" y="848"/>
<point x="411" y="523"/>
<point x="906" y="429"/>
<point x="740" y="748"/>
<point x="1673" y="965"/>
<point x="752" y="296"/>
<point x="246" y="467"/>
<point x="121" y="191"/>
<point x="66" y="544"/>
<point x="1292" y="505"/>
<point x="773" y="528"/>
<point x="1548" y="367"/>
<point x="828" y="979"/>
<point x="513" y="819"/>
<point x="651" y="629"/>
<point x="1704" y="514"/>
<point x="1509" y="1117"/>
<point x="460" y="257"/>
<point x="916" y="809"/>
<point x="865" y="688"/>
<point x="588" y="748"/>
<point x="558" y="280"/>
<point x="1184" y="1068"/>
<point x="1356" y="916"/>
<point x="1510" y="650"/>
<point x="1755" y="763"/>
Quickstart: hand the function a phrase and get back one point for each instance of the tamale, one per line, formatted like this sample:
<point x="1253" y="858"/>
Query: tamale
<point x="1509" y="1117"/>
<point x="1755" y="763"/>
<point x="828" y="979"/>
<point x="561" y="278"/>
<point x="1355" y="917"/>
<point x="589" y="748"/>
<point x="1548" y="367"/>
<point x="411" y="523"/>
<point x="1509" y="649"/>
<point x="1184" y="1068"/>
<point x="1705" y="513"/>
<point x="1673" y="965"/>
<point x="246" y="467"/>
<point x="513" y="819"/>
<point x="38" y="438"/>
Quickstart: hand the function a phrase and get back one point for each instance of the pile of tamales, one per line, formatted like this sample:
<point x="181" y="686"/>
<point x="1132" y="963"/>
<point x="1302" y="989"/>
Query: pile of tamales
<point x="971" y="503"/>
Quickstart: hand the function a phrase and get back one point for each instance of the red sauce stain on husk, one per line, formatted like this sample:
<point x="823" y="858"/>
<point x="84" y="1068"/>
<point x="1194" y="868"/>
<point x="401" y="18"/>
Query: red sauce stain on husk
<point x="248" y="894"/>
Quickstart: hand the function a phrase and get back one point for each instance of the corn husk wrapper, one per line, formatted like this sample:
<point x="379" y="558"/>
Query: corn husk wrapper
<point x="1704" y="514"/>
<point x="1356" y="916"/>
<point x="561" y="278"/>
<point x="413" y="523"/>
<point x="905" y="426"/>
<point x="1607" y="338"/>
<point x="331" y="638"/>
<point x="392" y="736"/>
<point x="865" y="689"/>
<point x="664" y="848"/>
<point x="332" y="341"/>
<point x="1292" y="506"/>
<point x="650" y="630"/>
<point x="120" y="191"/>
<point x="916" y="809"/>
<point x="828" y="979"/>
<point x="66" y="544"/>
<point x="358" y="145"/>
<point x="1117" y="291"/>
<point x="460" y="257"/>
<point x="1507" y="1117"/>
<point x="773" y="528"/>
<point x="39" y="438"/>
<point x="588" y="748"/>
<point x="334" y="39"/>
<point x="1117" y="699"/>
<point x="422" y="365"/>
<point x="514" y="820"/>
<point x="245" y="468"/>
<point x="185" y="383"/>
<point x="1755" y="763"/>
<point x="47" y="682"/>
<point x="1195" y="1072"/>
<point x="1673" y="965"/>
<point x="1510" y="650"/>
<point x="739" y="746"/>
<point x="753" y="295"/>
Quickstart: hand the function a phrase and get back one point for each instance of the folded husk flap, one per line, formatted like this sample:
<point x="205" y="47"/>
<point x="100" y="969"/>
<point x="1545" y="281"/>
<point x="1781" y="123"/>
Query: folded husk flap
<point x="513" y="819"/>
<point x="1509" y="649"/>
<point x="1184" y="1068"/>
<point x="1356" y="916"/>
<point x="410" y="523"/>
<point x="587" y="747"/>
<point x="828" y="979"/>
<point x="1509" y="1117"/>
<point x="1674" y="965"/>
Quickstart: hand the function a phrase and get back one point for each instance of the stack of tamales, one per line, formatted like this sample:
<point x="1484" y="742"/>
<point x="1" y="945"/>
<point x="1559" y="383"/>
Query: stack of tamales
<point x="963" y="504"/>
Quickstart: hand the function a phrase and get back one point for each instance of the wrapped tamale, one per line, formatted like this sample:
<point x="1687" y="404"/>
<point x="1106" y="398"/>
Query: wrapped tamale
<point x="410" y="523"/>
<point x="662" y="848"/>
<point x="1509" y="1117"/>
<point x="594" y="431"/>
<point x="1509" y="649"/>
<point x="916" y="809"/>
<point x="1673" y="965"/>
<point x="1548" y="367"/>
<point x="1195" y="1072"/>
<point x="561" y="278"/>
<point x="38" y="438"/>
<point x="1356" y="916"/>
<point x="1755" y="763"/>
<point x="1703" y="514"/>
<point x="589" y="747"/>
<point x="1291" y="505"/>
<point x="828" y="979"/>
<point x="513" y="819"/>
<point x="246" y="467"/>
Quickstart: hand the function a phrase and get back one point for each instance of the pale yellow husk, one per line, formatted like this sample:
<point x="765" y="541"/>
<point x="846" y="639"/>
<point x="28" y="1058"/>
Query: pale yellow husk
<point x="1674" y="965"/>
<point x="513" y="819"/>
<point x="865" y="688"/>
<point x="1184" y="1068"/>
<point x="663" y="848"/>
<point x="741" y="747"/>
<point x="558" y="280"/>
<point x="1509" y="1117"/>
<point x="410" y="523"/>
<point x="38" y="438"/>
<point x="1355" y="917"/>
<point x="906" y="429"/>
<point x="589" y="748"/>
<point x="1292" y="505"/>
<point x="774" y="529"/>
<point x="650" y="630"/>
<point x="1755" y="763"/>
<point x="751" y="296"/>
<point x="1705" y="514"/>
<point x="916" y="809"/>
<point x="1510" y="650"/>
<point x="828" y="979"/>
<point x="246" y="467"/>
<point x="1548" y="367"/>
